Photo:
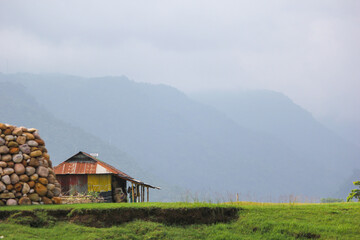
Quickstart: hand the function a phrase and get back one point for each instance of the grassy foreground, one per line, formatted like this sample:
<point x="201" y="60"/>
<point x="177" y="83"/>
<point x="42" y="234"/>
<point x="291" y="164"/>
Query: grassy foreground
<point x="256" y="221"/>
<point x="112" y="205"/>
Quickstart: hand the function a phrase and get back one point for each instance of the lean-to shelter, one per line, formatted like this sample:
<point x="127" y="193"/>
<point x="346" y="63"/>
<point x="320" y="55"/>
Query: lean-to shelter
<point x="84" y="173"/>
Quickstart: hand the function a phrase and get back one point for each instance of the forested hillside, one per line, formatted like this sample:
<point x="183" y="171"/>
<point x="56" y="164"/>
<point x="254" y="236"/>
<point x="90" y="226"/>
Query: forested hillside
<point x="258" y="149"/>
<point x="64" y="139"/>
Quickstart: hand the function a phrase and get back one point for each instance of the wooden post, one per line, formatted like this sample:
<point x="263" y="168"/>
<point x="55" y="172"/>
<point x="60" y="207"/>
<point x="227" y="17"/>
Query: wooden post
<point x="132" y="192"/>
<point x="139" y="193"/>
<point x="237" y="197"/>
<point x="143" y="193"/>
<point x="141" y="190"/>
<point x="147" y="189"/>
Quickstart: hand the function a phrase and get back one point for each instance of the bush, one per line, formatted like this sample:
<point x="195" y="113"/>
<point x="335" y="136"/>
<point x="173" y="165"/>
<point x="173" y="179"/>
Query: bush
<point x="331" y="200"/>
<point x="35" y="219"/>
<point x="355" y="193"/>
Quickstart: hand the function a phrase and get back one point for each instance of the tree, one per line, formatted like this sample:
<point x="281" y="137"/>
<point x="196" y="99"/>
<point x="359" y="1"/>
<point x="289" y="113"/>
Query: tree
<point x="331" y="200"/>
<point x="355" y="193"/>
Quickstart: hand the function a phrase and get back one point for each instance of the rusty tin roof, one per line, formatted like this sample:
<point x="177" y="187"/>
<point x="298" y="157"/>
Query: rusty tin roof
<point x="84" y="163"/>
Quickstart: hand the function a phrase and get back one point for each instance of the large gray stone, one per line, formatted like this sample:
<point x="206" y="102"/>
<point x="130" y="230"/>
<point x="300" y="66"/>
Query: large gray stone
<point x="24" y="178"/>
<point x="4" y="149"/>
<point x="24" y="201"/>
<point x="19" y="168"/>
<point x="17" y="131"/>
<point x="34" y="177"/>
<point x="56" y="191"/>
<point x="34" y="197"/>
<point x="11" y="202"/>
<point x="2" y="186"/>
<point x="18" y="158"/>
<point x="21" y="140"/>
<point x="50" y="194"/>
<point x="6" y="195"/>
<point x="25" y="149"/>
<point x="9" y="138"/>
<point x="26" y="188"/>
<point x="14" y="178"/>
<point x="36" y="135"/>
<point x="50" y="186"/>
<point x="6" y="179"/>
<point x="8" y="171"/>
<point x="42" y="171"/>
<point x="32" y="143"/>
<point x="51" y="178"/>
<point x="30" y="170"/>
<point x="6" y="157"/>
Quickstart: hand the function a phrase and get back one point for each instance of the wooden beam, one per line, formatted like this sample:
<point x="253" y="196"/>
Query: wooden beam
<point x="147" y="189"/>
<point x="132" y="192"/>
<point x="140" y="190"/>
<point x="143" y="193"/>
<point x="137" y="193"/>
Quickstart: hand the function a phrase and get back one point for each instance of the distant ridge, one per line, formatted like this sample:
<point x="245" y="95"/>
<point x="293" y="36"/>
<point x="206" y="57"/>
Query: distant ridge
<point x="262" y="144"/>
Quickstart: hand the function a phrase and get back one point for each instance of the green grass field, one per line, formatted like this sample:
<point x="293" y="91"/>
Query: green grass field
<point x="256" y="221"/>
<point x="112" y="205"/>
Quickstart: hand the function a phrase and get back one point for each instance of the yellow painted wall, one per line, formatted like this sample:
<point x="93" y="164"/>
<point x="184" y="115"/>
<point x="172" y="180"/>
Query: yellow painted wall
<point x="99" y="183"/>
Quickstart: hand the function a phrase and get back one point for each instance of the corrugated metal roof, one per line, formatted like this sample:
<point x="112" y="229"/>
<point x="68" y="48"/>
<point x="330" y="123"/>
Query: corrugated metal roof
<point x="91" y="165"/>
<point x="108" y="168"/>
<point x="76" y="168"/>
<point x="94" y="166"/>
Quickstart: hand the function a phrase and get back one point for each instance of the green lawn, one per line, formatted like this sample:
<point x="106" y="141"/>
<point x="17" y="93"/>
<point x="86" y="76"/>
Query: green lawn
<point x="256" y="221"/>
<point x="111" y="205"/>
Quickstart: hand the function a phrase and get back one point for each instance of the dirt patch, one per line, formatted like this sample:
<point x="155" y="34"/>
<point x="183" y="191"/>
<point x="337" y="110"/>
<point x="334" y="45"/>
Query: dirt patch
<point x="59" y="214"/>
<point x="116" y="216"/>
<point x="5" y="214"/>
<point x="178" y="216"/>
<point x="35" y="219"/>
<point x="307" y="235"/>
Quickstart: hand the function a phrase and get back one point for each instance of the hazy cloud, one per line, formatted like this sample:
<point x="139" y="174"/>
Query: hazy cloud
<point x="307" y="49"/>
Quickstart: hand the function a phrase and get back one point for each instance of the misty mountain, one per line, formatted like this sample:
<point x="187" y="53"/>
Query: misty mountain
<point x="64" y="140"/>
<point x="274" y="113"/>
<point x="269" y="112"/>
<point x="197" y="146"/>
<point x="348" y="185"/>
<point x="349" y="130"/>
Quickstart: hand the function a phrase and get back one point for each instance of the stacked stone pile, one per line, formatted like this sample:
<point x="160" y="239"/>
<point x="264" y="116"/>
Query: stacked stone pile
<point x="26" y="172"/>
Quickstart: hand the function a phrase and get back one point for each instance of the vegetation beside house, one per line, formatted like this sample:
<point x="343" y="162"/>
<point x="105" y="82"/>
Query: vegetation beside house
<point x="254" y="221"/>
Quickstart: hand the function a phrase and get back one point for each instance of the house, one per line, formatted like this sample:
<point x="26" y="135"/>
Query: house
<point x="84" y="173"/>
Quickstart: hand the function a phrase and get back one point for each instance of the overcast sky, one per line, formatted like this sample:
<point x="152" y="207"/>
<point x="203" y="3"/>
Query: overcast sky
<point x="309" y="50"/>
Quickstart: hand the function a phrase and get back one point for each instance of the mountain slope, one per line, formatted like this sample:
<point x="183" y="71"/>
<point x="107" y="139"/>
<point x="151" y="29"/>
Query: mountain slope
<point x="277" y="115"/>
<point x="185" y="142"/>
<point x="349" y="130"/>
<point x="64" y="140"/>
